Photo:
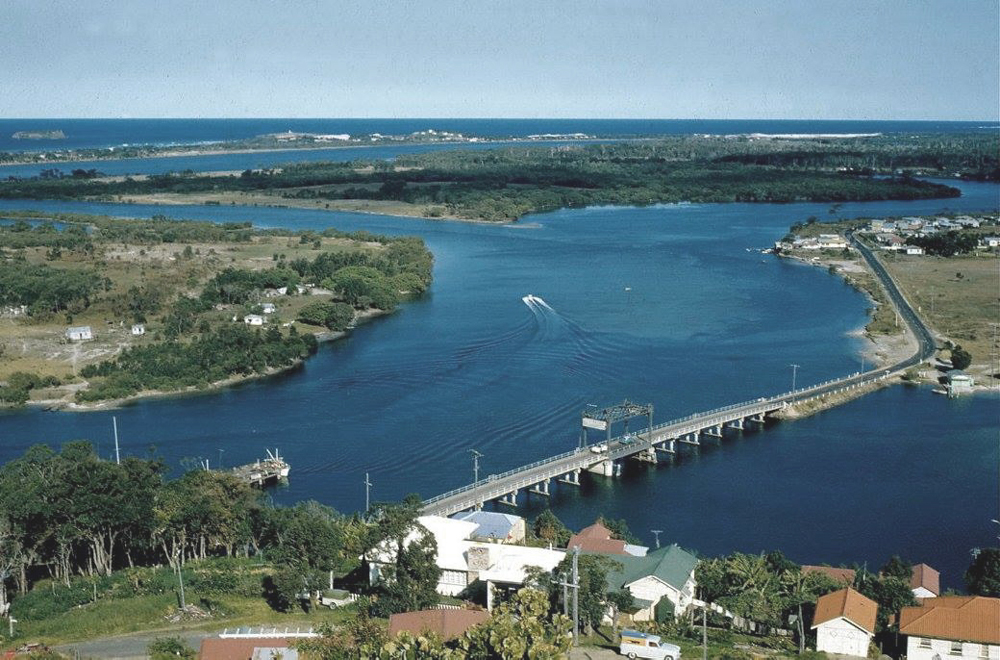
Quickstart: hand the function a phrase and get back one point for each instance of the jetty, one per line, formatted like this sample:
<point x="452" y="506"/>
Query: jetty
<point x="605" y="456"/>
<point x="265" y="471"/>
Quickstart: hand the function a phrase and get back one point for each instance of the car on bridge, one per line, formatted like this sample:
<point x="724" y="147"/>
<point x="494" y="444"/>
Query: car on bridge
<point x="599" y="448"/>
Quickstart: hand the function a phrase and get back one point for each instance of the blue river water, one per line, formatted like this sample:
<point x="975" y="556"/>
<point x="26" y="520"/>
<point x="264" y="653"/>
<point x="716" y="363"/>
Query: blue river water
<point x="663" y="304"/>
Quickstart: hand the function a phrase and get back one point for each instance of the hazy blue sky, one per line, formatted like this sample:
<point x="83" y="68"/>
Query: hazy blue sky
<point x="836" y="59"/>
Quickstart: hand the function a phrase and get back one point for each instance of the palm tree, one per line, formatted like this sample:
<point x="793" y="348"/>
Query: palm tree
<point x="797" y="589"/>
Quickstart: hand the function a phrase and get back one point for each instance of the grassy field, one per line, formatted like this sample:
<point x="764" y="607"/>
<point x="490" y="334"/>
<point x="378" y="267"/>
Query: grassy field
<point x="111" y="617"/>
<point x="959" y="297"/>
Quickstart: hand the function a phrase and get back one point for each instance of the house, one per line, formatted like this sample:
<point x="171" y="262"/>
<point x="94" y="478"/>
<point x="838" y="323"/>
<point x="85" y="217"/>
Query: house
<point x="464" y="562"/>
<point x="662" y="583"/>
<point x="925" y="582"/>
<point x="497" y="527"/>
<point x="253" y="319"/>
<point x="79" y="333"/>
<point x="843" y="575"/>
<point x="596" y="539"/>
<point x="844" y="623"/>
<point x="268" y="308"/>
<point x="831" y="241"/>
<point x="246" y="648"/>
<point x="913" y="249"/>
<point x="959" y="382"/>
<point x="952" y="627"/>
<point x="991" y="241"/>
<point x="138" y="329"/>
<point x="446" y="624"/>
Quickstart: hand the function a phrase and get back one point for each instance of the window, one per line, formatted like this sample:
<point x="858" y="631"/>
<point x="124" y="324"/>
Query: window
<point x="956" y="648"/>
<point x="457" y="578"/>
<point x="925" y="643"/>
<point x="984" y="650"/>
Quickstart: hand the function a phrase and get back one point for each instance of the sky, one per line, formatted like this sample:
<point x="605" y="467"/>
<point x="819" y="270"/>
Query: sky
<point x="697" y="59"/>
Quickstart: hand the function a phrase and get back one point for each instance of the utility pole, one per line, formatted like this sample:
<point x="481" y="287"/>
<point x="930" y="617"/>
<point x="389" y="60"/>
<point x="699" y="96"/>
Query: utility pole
<point x="704" y="634"/>
<point x="656" y="533"/>
<point x="565" y="585"/>
<point x="11" y="621"/>
<point x="220" y="457"/>
<point x="368" y="485"/>
<point x="118" y="457"/>
<point x="795" y="371"/>
<point x="180" y="581"/>
<point x="475" y="465"/>
<point x="576" y="595"/>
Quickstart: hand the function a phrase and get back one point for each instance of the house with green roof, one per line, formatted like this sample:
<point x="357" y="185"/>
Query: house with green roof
<point x="662" y="583"/>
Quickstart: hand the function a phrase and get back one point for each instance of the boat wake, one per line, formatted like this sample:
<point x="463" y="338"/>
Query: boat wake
<point x="536" y="303"/>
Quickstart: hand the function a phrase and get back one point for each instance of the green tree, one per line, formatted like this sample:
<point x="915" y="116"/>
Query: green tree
<point x="897" y="568"/>
<point x="550" y="529"/>
<point x="983" y="575"/>
<point x="890" y="593"/>
<point x="520" y="629"/>
<point x="960" y="358"/>
<point x="168" y="648"/>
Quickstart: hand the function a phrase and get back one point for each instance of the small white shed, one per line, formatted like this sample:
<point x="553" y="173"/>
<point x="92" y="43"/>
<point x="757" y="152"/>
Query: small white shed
<point x="79" y="333"/>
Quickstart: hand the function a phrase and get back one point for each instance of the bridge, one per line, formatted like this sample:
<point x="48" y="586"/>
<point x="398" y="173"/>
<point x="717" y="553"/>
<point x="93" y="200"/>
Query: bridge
<point x="605" y="457"/>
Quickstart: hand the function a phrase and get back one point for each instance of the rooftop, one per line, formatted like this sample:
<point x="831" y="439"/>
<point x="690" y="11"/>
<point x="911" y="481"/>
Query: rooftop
<point x="928" y="578"/>
<point x="849" y="604"/>
<point x="449" y="624"/>
<point x="958" y="618"/>
<point x="671" y="564"/>
<point x="845" y="575"/>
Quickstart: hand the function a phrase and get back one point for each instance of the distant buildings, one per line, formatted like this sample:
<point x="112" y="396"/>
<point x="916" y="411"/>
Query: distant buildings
<point x="268" y="308"/>
<point x="138" y="329"/>
<point x="79" y="333"/>
<point x="253" y="319"/>
<point x="952" y="627"/>
<point x="845" y="623"/>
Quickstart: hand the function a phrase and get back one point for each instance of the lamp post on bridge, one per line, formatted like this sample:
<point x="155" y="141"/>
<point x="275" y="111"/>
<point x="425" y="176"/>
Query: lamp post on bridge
<point x="656" y="533"/>
<point x="368" y="485"/>
<point x="795" y="370"/>
<point x="475" y="465"/>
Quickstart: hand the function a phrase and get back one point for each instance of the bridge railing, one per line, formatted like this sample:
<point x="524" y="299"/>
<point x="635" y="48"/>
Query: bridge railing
<point x="751" y="407"/>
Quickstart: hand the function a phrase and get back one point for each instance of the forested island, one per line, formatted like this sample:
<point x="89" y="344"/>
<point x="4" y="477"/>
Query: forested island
<point x="502" y="185"/>
<point x="95" y="308"/>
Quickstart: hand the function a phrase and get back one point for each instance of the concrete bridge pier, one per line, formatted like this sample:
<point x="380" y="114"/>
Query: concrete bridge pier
<point x="572" y="478"/>
<point x="692" y="438"/>
<point x="510" y="499"/>
<point x="646" y="455"/>
<point x="607" y="468"/>
<point x="736" y="423"/>
<point x="713" y="431"/>
<point x="668" y="447"/>
<point x="541" y="488"/>
<point x="757" y="419"/>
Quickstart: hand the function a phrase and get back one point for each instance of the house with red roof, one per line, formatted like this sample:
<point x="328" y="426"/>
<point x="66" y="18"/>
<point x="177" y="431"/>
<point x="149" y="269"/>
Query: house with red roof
<point x="446" y="624"/>
<point x="845" y="623"/>
<point x="925" y="582"/>
<point x="596" y="539"/>
<point x="952" y="627"/>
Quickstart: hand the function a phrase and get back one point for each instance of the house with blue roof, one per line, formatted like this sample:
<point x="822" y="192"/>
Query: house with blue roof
<point x="662" y="583"/>
<point x="494" y="527"/>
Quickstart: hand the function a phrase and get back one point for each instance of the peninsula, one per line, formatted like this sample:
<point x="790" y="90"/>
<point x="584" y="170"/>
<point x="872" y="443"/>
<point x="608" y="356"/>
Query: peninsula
<point x="94" y="308"/>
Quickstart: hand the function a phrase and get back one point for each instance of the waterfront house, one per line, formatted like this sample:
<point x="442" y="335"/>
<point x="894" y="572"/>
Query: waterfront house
<point x="952" y="627"/>
<point x="844" y="622"/>
<point x="464" y="562"/>
<point x="925" y="582"/>
<point x="493" y="526"/>
<point x="831" y="242"/>
<point x="138" y="329"/>
<point x="253" y="319"/>
<point x="268" y="308"/>
<point x="447" y="624"/>
<point x="959" y="382"/>
<point x="662" y="583"/>
<point x="843" y="575"/>
<point x="596" y="539"/>
<point x="79" y="333"/>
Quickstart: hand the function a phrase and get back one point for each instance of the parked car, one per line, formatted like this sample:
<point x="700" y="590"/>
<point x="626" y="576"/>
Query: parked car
<point x="645" y="645"/>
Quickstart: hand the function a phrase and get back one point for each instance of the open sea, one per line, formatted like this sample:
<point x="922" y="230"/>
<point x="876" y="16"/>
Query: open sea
<point x="663" y="304"/>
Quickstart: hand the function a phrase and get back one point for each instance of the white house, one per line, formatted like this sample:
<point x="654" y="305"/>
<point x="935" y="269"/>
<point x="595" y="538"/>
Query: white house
<point x="493" y="526"/>
<point x="464" y="562"/>
<point x="832" y="241"/>
<point x="138" y="329"/>
<point x="991" y="241"/>
<point x="952" y="627"/>
<point x="253" y="319"/>
<point x="913" y="249"/>
<point x="844" y="623"/>
<point x="661" y="582"/>
<point x="268" y="308"/>
<point x="79" y="333"/>
<point x="959" y="382"/>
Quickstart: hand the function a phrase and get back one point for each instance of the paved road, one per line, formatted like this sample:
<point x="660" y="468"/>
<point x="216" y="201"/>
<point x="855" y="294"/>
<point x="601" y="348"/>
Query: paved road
<point x="128" y="647"/>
